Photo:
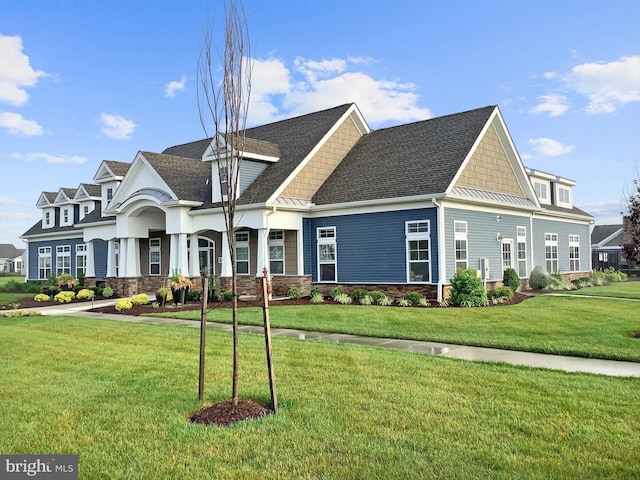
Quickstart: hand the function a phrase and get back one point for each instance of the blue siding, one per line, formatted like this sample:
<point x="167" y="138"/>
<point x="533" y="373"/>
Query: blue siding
<point x="33" y="254"/>
<point x="482" y="232"/>
<point x="100" y="252"/>
<point x="371" y="247"/>
<point x="563" y="229"/>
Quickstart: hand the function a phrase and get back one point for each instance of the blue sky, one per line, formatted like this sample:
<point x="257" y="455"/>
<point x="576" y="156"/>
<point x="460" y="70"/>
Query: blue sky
<point x="84" y="81"/>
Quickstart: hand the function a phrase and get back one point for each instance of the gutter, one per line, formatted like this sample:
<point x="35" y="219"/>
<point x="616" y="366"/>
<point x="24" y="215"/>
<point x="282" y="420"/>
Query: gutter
<point x="441" y="249"/>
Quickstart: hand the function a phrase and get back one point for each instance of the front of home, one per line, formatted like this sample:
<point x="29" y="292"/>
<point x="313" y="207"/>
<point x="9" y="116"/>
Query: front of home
<point x="323" y="200"/>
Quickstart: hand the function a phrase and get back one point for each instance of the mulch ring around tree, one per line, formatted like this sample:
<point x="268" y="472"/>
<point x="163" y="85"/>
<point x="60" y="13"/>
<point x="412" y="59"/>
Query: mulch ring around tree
<point x="225" y="413"/>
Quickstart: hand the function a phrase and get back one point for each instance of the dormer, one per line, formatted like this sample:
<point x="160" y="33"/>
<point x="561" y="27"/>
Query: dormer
<point x="109" y="175"/>
<point x="222" y="151"/>
<point x="67" y="207"/>
<point x="87" y="197"/>
<point x="46" y="204"/>
<point x="552" y="189"/>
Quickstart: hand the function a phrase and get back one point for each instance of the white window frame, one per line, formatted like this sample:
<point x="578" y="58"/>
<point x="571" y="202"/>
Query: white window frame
<point x="551" y="252"/>
<point x="417" y="231"/>
<point x="562" y="191"/>
<point x="506" y="254"/>
<point x="461" y="238"/>
<point x="326" y="239"/>
<point x="155" y="247"/>
<point x="81" y="259"/>
<point x="210" y="250"/>
<point x="542" y="191"/>
<point x="44" y="266"/>
<point x="63" y="260"/>
<point x="574" y="253"/>
<point x="276" y="245"/>
<point x="109" y="194"/>
<point x="65" y="216"/>
<point x="521" y="251"/>
<point x="47" y="219"/>
<point x="242" y="239"/>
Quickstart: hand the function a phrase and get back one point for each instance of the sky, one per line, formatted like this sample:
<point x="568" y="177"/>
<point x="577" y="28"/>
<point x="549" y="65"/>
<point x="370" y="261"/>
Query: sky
<point x="87" y="81"/>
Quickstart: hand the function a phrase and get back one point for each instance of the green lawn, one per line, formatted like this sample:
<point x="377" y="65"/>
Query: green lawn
<point x="600" y="328"/>
<point x="8" y="298"/>
<point x="6" y="279"/>
<point x="118" y="395"/>
<point x="628" y="289"/>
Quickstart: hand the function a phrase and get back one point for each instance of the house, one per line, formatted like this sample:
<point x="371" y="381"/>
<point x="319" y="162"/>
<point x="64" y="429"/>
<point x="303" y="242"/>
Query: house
<point x="323" y="200"/>
<point x="10" y="258"/>
<point x="606" y="248"/>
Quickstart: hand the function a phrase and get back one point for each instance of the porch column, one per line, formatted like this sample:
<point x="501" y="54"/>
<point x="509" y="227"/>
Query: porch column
<point x="132" y="268"/>
<point x="122" y="257"/>
<point x="111" y="258"/>
<point x="173" y="253"/>
<point x="262" y="260"/>
<point x="225" y="268"/>
<point x="183" y="257"/>
<point x="300" y="251"/>
<point x="90" y="267"/>
<point x="194" y="257"/>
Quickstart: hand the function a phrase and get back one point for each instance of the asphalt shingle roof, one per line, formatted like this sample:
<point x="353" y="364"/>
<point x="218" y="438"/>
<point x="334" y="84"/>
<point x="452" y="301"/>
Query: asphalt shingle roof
<point x="119" y="169"/>
<point x="7" y="250"/>
<point x="92" y="190"/>
<point x="295" y="138"/>
<point x="414" y="159"/>
<point x="188" y="178"/>
<point x="600" y="232"/>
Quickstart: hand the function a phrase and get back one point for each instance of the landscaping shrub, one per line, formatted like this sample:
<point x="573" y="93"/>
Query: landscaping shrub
<point x="376" y="295"/>
<point x="358" y="294"/>
<point x="107" y="292"/>
<point x="317" y="298"/>
<point x="227" y="296"/>
<point x="504" y="292"/>
<point x="85" y="294"/>
<point x="343" y="299"/>
<point x="467" y="289"/>
<point x="294" y="292"/>
<point x="538" y="280"/>
<point x="366" y="300"/>
<point x="13" y="286"/>
<point x="336" y="291"/>
<point x="123" y="304"/>
<point x="64" y="297"/>
<point x="315" y="291"/>
<point x="194" y="295"/>
<point x="511" y="279"/>
<point x="557" y="275"/>
<point x="415" y="298"/>
<point x="41" y="297"/>
<point x="384" y="301"/>
<point x="612" y="275"/>
<point x="403" y="302"/>
<point x="97" y="290"/>
<point x="140" y="299"/>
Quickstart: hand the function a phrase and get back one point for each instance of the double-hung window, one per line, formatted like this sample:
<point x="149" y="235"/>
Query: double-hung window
<point x="461" y="245"/>
<point x="276" y="252"/>
<point x="551" y="252"/>
<point x="47" y="218"/>
<point x="81" y="259"/>
<point x="44" y="263"/>
<point x="418" y="251"/>
<point x="155" y="256"/>
<point x="507" y="253"/>
<point x="65" y="215"/>
<point x="63" y="259"/>
<point x="327" y="254"/>
<point x="574" y="253"/>
<point x="522" y="251"/>
<point x="242" y="253"/>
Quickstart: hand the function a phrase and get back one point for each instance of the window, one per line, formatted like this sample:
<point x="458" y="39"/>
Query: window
<point x="551" y="252"/>
<point x="242" y="253"/>
<point x="109" y="194"/>
<point x="522" y="251"/>
<point x="603" y="257"/>
<point x="155" y="256"/>
<point x="85" y="210"/>
<point x="461" y="244"/>
<point x="81" y="259"/>
<point x="418" y="251"/>
<point x="541" y="190"/>
<point x="47" y="218"/>
<point x="63" y="259"/>
<point x="564" y="196"/>
<point x="276" y="252"/>
<point x="44" y="263"/>
<point x="206" y="254"/>
<point x="507" y="254"/>
<point x="116" y="256"/>
<point x="574" y="253"/>
<point x="224" y="185"/>
<point x="327" y="257"/>
<point x="65" y="215"/>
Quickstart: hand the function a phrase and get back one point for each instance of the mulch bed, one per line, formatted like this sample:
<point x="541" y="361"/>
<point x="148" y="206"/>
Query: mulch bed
<point x="225" y="413"/>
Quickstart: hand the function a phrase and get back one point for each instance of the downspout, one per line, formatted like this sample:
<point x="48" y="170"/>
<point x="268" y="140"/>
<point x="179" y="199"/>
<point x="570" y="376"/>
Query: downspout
<point x="441" y="249"/>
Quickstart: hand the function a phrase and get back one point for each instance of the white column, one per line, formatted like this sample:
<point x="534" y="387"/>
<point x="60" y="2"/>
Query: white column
<point x="183" y="258"/>
<point x="262" y="260"/>
<point x="225" y="268"/>
<point x="111" y="258"/>
<point x="173" y="253"/>
<point x="194" y="258"/>
<point x="25" y="264"/>
<point x="122" y="257"/>
<point x="90" y="262"/>
<point x="132" y="268"/>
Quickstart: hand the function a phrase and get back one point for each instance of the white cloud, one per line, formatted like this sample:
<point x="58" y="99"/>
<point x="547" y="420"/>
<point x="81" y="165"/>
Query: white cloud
<point x="554" y="105"/>
<point x="312" y="85"/>
<point x="549" y="75"/>
<point x="608" y="86"/>
<point x="172" y="87"/>
<point x="14" y="216"/>
<point x="16" y="125"/>
<point x="116" y="126"/>
<point x="608" y="209"/>
<point x="8" y="201"/>
<point x="547" y="147"/>
<point x="48" y="158"/>
<point x="15" y="72"/>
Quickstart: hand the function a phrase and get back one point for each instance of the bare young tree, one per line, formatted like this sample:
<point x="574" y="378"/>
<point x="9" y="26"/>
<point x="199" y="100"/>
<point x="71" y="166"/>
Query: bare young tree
<point x="224" y="87"/>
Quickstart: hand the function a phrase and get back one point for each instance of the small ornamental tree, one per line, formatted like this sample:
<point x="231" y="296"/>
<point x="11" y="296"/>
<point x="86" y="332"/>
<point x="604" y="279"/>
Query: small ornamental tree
<point x="467" y="289"/>
<point x="510" y="279"/>
<point x="631" y="224"/>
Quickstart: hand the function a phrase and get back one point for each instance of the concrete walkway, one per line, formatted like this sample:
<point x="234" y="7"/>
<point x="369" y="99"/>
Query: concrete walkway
<point x="462" y="352"/>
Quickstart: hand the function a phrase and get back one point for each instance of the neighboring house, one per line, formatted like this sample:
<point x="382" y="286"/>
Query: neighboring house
<point x="606" y="248"/>
<point x="10" y="258"/>
<point x="324" y="200"/>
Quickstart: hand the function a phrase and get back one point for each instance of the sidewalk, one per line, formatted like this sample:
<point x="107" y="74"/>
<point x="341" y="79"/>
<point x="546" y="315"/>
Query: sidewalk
<point x="461" y="352"/>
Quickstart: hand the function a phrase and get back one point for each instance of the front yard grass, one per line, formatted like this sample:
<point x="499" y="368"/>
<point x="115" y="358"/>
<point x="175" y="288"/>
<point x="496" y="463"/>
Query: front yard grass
<point x="6" y="299"/>
<point x="118" y="395"/>
<point x="628" y="289"/>
<point x="585" y="327"/>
